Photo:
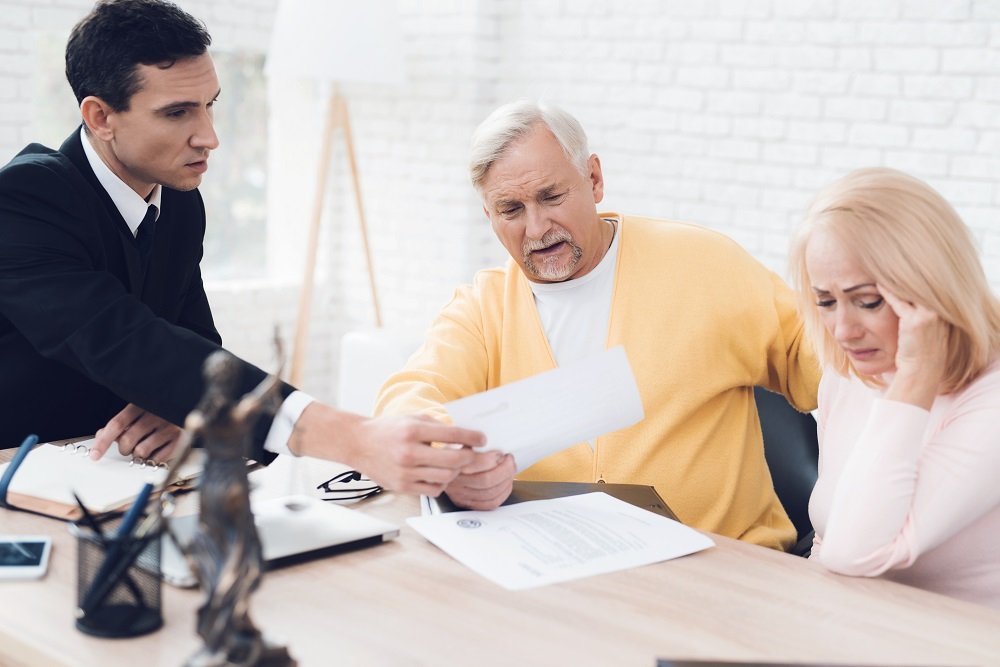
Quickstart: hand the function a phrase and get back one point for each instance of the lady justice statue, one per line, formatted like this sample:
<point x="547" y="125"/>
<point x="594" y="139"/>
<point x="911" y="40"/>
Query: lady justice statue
<point x="225" y="553"/>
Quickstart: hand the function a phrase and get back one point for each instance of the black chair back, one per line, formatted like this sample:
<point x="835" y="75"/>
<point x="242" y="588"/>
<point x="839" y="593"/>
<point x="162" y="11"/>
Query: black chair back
<point x="792" y="452"/>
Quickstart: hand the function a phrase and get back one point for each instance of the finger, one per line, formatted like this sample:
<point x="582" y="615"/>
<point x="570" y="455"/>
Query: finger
<point x="420" y="455"/>
<point x="146" y="435"/>
<point x="137" y="432"/>
<point x="473" y="487"/>
<point x="157" y="446"/>
<point x="103" y="440"/>
<point x="439" y="476"/>
<point x="505" y="469"/>
<point x="171" y="448"/>
<point x="164" y="453"/>
<point x="128" y="416"/>
<point x="898" y="306"/>
<point x="479" y="501"/>
<point x="488" y="482"/>
<point x="439" y="432"/>
<point x="914" y="312"/>
<point x="479" y="498"/>
<point x="479" y="505"/>
<point x="113" y="429"/>
<point x="483" y="461"/>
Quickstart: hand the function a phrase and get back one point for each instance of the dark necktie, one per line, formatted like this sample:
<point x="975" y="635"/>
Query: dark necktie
<point x="144" y="234"/>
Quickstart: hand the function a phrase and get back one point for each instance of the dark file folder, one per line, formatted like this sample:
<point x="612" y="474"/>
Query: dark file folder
<point x="639" y="495"/>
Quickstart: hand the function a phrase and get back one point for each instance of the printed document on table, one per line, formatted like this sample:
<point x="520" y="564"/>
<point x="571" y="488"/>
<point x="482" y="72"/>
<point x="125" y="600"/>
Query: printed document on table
<point x="540" y="415"/>
<point x="546" y="541"/>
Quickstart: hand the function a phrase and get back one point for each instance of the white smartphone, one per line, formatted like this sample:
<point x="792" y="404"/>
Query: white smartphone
<point x="24" y="556"/>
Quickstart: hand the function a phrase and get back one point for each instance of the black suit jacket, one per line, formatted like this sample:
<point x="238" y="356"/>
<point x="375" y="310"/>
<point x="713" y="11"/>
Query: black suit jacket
<point x="83" y="328"/>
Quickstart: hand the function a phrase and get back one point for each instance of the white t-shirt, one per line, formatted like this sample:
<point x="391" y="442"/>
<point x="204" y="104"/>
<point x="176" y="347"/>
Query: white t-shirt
<point x="575" y="313"/>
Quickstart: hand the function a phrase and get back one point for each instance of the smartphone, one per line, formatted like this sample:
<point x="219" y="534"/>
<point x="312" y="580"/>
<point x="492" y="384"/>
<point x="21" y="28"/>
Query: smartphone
<point x="24" y="556"/>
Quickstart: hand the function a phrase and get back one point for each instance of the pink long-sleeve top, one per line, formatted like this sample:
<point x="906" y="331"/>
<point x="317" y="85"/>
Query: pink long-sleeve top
<point x="909" y="494"/>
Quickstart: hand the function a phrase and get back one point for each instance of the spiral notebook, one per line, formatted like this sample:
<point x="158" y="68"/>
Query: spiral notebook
<point x="50" y="474"/>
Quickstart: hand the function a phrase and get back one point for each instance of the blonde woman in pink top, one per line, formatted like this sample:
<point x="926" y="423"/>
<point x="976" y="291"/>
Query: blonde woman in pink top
<point x="897" y="303"/>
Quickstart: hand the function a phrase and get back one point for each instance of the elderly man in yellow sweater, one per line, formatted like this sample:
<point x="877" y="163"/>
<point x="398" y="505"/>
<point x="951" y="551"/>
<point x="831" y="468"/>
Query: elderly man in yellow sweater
<point x="701" y="321"/>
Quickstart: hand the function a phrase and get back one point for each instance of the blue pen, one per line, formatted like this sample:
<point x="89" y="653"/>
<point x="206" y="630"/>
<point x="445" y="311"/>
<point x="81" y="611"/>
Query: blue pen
<point x="22" y="451"/>
<point x="134" y="513"/>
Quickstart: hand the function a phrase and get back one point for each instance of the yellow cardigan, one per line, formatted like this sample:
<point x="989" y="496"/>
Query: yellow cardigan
<point x="701" y="321"/>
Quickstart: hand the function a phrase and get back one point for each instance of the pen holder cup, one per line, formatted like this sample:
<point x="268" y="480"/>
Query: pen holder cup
<point x="118" y="582"/>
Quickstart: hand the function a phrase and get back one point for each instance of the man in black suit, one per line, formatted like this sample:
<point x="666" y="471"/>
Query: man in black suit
<point x="104" y="321"/>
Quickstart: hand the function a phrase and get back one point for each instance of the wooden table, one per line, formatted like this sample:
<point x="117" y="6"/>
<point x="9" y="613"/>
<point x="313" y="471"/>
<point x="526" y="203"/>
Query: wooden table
<point x="407" y="603"/>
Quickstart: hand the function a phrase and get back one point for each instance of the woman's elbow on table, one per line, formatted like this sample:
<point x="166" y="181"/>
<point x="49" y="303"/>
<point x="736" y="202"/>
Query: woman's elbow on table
<point x="843" y="557"/>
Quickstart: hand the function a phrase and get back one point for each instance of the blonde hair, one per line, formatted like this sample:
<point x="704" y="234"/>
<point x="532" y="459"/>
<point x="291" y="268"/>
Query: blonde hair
<point x="518" y="119"/>
<point x="909" y="239"/>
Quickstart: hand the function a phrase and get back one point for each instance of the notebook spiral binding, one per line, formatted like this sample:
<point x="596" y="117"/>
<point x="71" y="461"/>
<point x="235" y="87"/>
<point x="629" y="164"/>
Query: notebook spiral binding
<point x="75" y="449"/>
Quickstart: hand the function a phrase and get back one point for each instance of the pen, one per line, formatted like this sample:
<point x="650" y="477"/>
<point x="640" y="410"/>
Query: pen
<point x="8" y="474"/>
<point x="91" y="522"/>
<point x="134" y="513"/>
<point x="102" y="587"/>
<point x="99" y="587"/>
<point x="95" y="528"/>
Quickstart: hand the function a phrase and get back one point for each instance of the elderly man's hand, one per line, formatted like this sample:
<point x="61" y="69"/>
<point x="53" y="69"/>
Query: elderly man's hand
<point x="485" y="484"/>
<point x="138" y="433"/>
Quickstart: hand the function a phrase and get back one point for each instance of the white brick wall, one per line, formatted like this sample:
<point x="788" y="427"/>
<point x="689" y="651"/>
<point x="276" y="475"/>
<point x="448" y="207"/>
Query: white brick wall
<point x="731" y="113"/>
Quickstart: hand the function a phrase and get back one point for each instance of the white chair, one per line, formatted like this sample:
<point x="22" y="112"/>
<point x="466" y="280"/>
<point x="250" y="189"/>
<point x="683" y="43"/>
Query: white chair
<point x="367" y="359"/>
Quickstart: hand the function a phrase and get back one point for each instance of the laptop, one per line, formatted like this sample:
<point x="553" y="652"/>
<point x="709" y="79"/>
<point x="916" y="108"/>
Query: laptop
<point x="292" y="529"/>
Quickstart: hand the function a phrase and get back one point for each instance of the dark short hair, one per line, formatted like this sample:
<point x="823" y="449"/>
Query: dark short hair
<point x="107" y="46"/>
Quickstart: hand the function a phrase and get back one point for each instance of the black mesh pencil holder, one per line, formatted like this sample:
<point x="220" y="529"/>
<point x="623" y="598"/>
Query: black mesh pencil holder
<point x="118" y="581"/>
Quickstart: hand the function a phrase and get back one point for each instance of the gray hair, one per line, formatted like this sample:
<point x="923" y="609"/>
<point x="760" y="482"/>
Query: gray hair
<point x="515" y="120"/>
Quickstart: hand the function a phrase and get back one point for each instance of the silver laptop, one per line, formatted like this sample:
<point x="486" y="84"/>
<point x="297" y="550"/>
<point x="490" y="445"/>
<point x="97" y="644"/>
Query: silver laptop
<point x="292" y="529"/>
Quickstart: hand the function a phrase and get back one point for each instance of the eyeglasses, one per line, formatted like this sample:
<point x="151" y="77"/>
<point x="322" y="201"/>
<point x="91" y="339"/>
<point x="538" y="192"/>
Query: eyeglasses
<point x="349" y="486"/>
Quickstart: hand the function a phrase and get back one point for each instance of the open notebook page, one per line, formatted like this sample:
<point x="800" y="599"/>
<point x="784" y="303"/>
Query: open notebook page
<point x="48" y="477"/>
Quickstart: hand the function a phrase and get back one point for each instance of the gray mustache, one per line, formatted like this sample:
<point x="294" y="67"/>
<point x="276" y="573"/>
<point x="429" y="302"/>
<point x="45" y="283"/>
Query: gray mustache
<point x="549" y="239"/>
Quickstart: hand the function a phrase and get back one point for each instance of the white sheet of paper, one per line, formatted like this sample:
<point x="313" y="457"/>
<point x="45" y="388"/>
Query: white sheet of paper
<point x="540" y="415"/>
<point x="545" y="541"/>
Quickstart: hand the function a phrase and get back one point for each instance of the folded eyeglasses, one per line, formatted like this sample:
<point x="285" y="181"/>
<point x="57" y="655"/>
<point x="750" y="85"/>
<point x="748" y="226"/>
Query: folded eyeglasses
<point x="349" y="486"/>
